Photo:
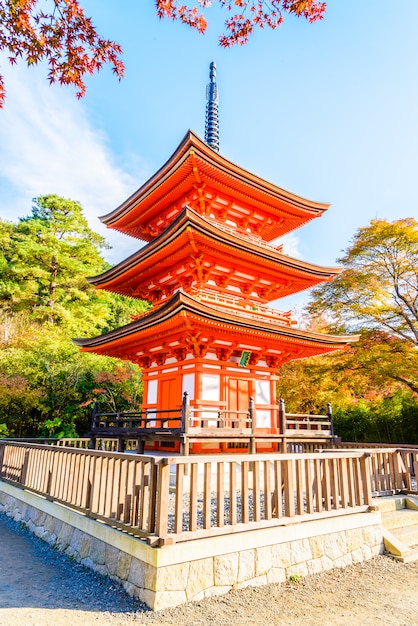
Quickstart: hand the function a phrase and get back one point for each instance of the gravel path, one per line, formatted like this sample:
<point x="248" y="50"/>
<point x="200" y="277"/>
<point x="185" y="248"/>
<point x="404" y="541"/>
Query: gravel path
<point x="41" y="587"/>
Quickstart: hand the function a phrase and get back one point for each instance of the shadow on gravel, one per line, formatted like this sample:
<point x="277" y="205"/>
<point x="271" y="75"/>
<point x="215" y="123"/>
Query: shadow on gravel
<point x="34" y="575"/>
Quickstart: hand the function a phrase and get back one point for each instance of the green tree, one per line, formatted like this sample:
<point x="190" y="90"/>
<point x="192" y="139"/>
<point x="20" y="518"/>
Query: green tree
<point x="44" y="261"/>
<point x="368" y="386"/>
<point x="21" y="411"/>
<point x="377" y="293"/>
<point x="392" y="419"/>
<point x="378" y="288"/>
<point x="48" y="387"/>
<point x="47" y="257"/>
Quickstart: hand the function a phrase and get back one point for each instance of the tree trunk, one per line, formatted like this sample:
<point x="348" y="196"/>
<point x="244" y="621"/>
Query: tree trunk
<point x="53" y="271"/>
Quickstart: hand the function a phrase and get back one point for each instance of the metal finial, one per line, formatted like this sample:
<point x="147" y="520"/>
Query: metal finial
<point x="212" y="115"/>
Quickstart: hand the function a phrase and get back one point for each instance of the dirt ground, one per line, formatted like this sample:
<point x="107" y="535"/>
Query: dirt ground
<point x="39" y="587"/>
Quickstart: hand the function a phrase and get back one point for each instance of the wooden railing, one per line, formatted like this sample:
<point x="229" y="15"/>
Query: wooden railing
<point x="312" y="425"/>
<point x="409" y="468"/>
<point x="72" y="442"/>
<point x="222" y="419"/>
<point x="132" y="421"/>
<point x="253" y="310"/>
<point x="191" y="424"/>
<point x="119" y="489"/>
<point x="349" y="445"/>
<point x="259" y="491"/>
<point x="172" y="499"/>
<point x="392" y="469"/>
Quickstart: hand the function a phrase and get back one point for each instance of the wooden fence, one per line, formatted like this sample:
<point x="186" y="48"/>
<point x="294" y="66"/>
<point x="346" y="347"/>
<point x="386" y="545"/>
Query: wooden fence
<point x="173" y="499"/>
<point x="119" y="489"/>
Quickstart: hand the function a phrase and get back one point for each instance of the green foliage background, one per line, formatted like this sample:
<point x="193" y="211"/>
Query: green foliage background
<point x="47" y="386"/>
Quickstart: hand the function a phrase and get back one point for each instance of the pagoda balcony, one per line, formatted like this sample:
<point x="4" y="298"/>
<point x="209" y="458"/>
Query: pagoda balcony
<point x="247" y="236"/>
<point x="237" y="306"/>
<point x="249" y="310"/>
<point x="188" y="425"/>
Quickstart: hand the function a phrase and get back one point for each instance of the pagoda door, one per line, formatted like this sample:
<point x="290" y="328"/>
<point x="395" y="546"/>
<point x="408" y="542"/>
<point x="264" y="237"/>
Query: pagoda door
<point x="169" y="398"/>
<point x="239" y="392"/>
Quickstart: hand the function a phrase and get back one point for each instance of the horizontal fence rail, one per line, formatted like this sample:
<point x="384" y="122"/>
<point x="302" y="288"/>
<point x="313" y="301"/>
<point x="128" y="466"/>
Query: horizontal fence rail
<point x="179" y="498"/>
<point x="301" y="421"/>
<point x="391" y="469"/>
<point x="140" y="420"/>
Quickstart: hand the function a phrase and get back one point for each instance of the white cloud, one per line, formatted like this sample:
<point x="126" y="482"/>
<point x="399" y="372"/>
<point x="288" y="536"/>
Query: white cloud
<point x="48" y="145"/>
<point x="291" y="244"/>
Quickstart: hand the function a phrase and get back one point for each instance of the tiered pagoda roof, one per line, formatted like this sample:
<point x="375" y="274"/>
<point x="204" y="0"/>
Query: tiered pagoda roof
<point x="198" y="177"/>
<point x="194" y="252"/>
<point x="209" y="268"/>
<point x="184" y="325"/>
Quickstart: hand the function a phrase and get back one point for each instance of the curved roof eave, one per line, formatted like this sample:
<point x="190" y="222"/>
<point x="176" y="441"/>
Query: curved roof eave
<point x="181" y="303"/>
<point x="188" y="217"/>
<point x="191" y="140"/>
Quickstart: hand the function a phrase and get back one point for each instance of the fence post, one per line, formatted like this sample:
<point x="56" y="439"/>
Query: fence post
<point x="282" y="425"/>
<point x="184" y="426"/>
<point x="289" y="488"/>
<point x="251" y="413"/>
<point x="405" y="468"/>
<point x="252" y="418"/>
<point x="185" y="413"/>
<point x="366" y="478"/>
<point x="162" y="490"/>
<point x="282" y="416"/>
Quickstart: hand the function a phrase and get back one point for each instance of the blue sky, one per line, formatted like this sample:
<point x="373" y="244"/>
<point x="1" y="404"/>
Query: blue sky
<point x="327" y="111"/>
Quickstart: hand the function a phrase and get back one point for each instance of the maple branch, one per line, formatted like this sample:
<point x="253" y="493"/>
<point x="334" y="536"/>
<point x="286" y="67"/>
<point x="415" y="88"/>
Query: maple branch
<point x="64" y="37"/>
<point x="246" y="15"/>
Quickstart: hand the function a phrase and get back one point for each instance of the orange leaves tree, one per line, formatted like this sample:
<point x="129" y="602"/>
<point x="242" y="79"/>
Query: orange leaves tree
<point x="245" y="15"/>
<point x="58" y="32"/>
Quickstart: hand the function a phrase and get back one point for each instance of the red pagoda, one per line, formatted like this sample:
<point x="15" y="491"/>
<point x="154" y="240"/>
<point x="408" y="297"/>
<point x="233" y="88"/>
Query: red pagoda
<point x="210" y="269"/>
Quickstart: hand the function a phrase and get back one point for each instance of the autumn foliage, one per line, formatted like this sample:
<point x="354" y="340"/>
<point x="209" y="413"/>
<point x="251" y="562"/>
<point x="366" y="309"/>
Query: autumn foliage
<point x="245" y="16"/>
<point x="374" y="385"/>
<point x="46" y="384"/>
<point x="58" y="32"/>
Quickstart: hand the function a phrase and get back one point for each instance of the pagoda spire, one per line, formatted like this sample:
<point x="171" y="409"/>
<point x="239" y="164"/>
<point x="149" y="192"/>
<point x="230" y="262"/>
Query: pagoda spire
<point x="212" y="115"/>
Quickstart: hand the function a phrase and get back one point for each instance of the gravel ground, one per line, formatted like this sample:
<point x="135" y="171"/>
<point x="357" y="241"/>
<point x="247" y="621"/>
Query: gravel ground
<point x="41" y="587"/>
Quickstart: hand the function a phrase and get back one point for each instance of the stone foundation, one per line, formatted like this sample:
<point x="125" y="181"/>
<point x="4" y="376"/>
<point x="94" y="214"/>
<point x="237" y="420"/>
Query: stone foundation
<point x="172" y="575"/>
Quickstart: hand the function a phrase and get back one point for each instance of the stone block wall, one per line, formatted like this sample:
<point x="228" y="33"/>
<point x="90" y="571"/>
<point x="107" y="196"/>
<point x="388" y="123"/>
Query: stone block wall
<point x="172" y="575"/>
